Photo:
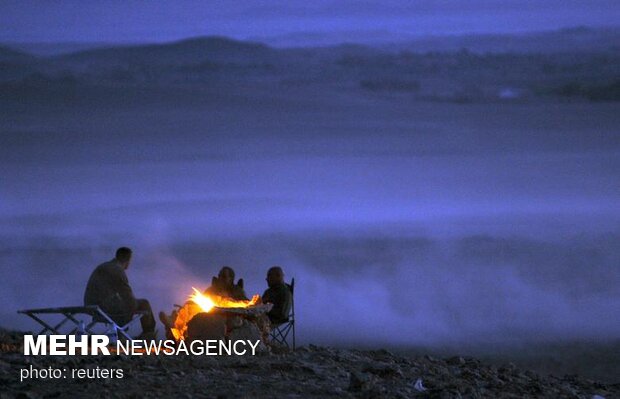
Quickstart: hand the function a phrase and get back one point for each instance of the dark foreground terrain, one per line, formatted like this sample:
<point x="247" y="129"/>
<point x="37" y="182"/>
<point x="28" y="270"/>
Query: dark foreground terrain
<point x="309" y="372"/>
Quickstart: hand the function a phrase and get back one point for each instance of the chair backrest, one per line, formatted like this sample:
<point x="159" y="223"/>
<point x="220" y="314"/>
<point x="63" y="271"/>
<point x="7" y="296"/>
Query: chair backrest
<point x="291" y="286"/>
<point x="281" y="331"/>
<point x="291" y="313"/>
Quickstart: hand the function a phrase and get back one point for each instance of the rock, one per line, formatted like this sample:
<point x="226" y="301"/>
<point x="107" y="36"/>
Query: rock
<point x="450" y="394"/>
<point x="456" y="361"/>
<point x="418" y="385"/>
<point x="386" y="371"/>
<point x="359" y="382"/>
<point x="206" y="326"/>
<point x="245" y="331"/>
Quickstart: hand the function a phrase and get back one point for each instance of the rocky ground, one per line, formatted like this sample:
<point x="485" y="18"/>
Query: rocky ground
<point x="308" y="372"/>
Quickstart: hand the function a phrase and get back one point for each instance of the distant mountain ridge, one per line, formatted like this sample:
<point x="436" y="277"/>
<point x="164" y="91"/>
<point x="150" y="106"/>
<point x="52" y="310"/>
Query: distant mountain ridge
<point x="573" y="63"/>
<point x="577" y="38"/>
<point x="8" y="54"/>
<point x="214" y="48"/>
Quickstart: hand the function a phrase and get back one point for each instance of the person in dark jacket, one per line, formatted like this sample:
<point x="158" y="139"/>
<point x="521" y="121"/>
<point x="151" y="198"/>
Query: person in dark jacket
<point x="279" y="294"/>
<point x="224" y="285"/>
<point x="108" y="288"/>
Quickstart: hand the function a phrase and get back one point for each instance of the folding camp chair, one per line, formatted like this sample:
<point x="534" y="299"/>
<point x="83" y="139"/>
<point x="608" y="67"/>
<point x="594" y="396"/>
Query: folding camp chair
<point x="280" y="332"/>
<point x="77" y="325"/>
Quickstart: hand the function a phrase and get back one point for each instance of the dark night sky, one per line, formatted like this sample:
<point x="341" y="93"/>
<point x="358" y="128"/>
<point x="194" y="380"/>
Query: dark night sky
<point x="122" y="21"/>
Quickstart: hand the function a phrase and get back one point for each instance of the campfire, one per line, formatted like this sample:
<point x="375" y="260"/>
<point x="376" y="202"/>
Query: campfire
<point x="199" y="303"/>
<point x="208" y="302"/>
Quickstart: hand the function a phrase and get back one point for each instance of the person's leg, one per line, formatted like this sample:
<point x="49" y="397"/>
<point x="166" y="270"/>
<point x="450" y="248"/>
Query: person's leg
<point x="147" y="320"/>
<point x="118" y="314"/>
<point x="168" y="323"/>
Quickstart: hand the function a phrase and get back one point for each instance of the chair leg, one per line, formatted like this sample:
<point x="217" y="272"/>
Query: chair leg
<point x="280" y="334"/>
<point x="53" y="330"/>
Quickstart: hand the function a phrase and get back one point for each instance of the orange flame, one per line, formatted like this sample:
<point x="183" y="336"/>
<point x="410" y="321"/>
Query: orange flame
<point x="208" y="302"/>
<point x="205" y="302"/>
<point x="200" y="303"/>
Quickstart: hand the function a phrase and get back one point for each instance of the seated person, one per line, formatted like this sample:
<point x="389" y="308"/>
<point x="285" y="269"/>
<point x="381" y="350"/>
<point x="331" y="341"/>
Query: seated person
<point x="109" y="289"/>
<point x="224" y="285"/>
<point x="279" y="294"/>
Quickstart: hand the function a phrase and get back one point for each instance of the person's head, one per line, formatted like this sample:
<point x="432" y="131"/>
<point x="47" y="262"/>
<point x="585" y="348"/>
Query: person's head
<point x="123" y="256"/>
<point x="275" y="276"/>
<point x="226" y="276"/>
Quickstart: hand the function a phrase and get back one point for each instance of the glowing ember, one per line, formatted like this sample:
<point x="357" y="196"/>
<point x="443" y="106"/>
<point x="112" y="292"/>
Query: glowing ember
<point x="201" y="303"/>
